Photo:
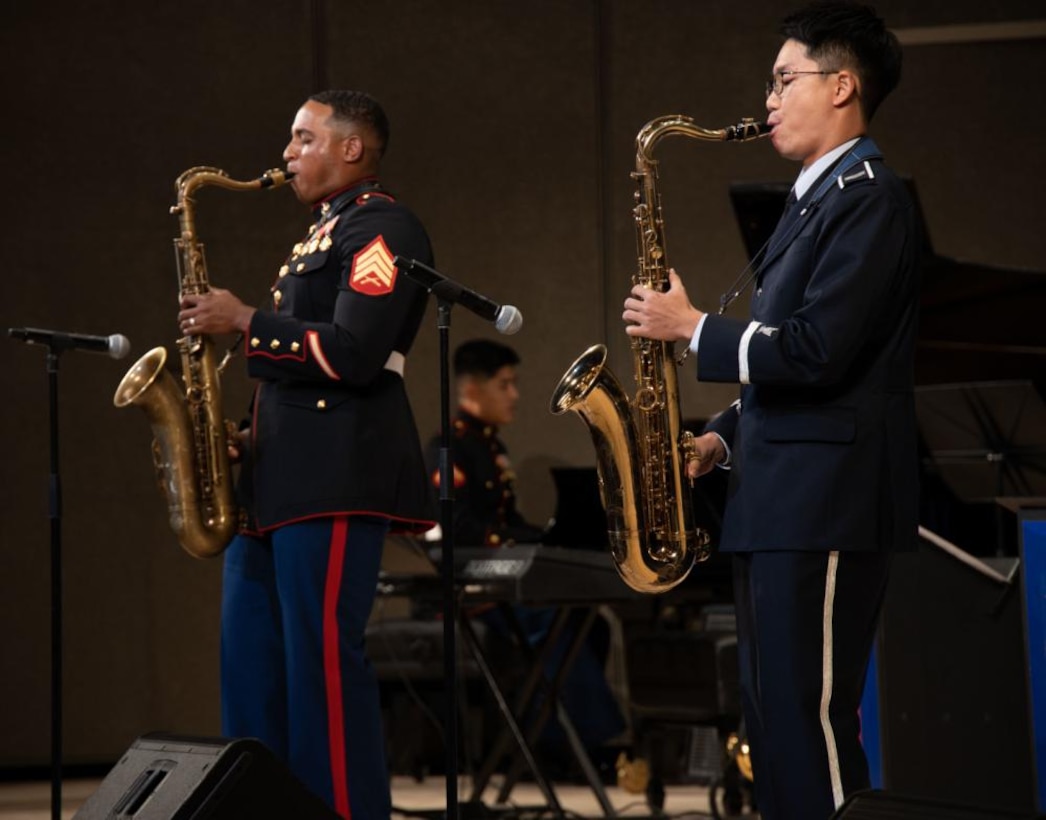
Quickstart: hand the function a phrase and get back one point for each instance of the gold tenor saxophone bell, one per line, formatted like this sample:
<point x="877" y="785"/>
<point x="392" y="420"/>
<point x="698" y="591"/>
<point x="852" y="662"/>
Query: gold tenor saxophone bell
<point x="190" y="433"/>
<point x="641" y="448"/>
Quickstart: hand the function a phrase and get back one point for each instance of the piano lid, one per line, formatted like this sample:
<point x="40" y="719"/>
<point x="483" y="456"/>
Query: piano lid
<point x="977" y="322"/>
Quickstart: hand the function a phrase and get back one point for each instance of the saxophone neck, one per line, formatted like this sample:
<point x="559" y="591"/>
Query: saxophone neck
<point x="655" y="130"/>
<point x="202" y="175"/>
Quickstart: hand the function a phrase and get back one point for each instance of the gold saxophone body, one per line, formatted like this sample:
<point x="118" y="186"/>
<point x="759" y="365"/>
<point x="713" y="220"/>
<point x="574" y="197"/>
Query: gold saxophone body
<point x="641" y="448"/>
<point x="190" y="432"/>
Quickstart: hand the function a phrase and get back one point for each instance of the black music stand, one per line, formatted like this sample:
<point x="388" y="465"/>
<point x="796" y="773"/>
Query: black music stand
<point x="987" y="440"/>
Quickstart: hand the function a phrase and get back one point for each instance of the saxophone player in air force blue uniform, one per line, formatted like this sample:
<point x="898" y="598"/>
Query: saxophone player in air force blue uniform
<point x="331" y="461"/>
<point x="821" y="444"/>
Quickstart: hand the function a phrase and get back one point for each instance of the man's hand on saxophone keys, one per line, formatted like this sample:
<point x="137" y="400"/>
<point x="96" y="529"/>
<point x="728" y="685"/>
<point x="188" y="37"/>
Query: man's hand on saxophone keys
<point x="709" y="451"/>
<point x="216" y="311"/>
<point x="667" y="316"/>
<point x="238" y="443"/>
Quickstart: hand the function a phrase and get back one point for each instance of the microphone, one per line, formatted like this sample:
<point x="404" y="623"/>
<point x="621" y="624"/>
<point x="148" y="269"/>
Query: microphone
<point x="506" y="318"/>
<point x="116" y="345"/>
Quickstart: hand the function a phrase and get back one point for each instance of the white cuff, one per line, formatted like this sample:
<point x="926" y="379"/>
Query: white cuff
<point x="742" y="351"/>
<point x="696" y="338"/>
<point x="725" y="463"/>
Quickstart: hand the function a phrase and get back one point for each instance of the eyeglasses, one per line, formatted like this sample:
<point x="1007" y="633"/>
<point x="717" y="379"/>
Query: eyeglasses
<point x="776" y="83"/>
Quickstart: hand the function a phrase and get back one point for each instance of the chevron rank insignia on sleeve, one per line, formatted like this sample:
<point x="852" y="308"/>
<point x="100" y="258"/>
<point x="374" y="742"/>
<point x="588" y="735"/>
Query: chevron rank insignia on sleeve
<point x="373" y="271"/>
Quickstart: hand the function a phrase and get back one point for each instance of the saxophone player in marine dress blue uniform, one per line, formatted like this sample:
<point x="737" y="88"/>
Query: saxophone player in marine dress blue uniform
<point x="821" y="444"/>
<point x="331" y="461"/>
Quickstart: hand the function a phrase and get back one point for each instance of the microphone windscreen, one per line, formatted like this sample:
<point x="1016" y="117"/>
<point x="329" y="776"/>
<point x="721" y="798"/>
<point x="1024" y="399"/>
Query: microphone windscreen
<point x="119" y="346"/>
<point x="509" y="320"/>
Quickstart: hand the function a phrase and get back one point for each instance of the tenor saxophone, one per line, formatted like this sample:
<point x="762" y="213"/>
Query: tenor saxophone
<point x="641" y="449"/>
<point x="190" y="432"/>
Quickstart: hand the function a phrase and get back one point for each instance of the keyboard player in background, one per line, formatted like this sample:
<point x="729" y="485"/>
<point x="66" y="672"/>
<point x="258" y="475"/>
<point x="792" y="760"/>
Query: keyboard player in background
<point x="485" y="514"/>
<point x="485" y="511"/>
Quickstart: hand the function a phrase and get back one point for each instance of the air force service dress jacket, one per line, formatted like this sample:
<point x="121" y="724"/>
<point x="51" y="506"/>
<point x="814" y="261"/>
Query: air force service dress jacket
<point x="823" y="438"/>
<point x="332" y="430"/>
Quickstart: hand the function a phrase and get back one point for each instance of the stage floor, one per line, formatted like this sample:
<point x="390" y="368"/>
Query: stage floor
<point x="32" y="801"/>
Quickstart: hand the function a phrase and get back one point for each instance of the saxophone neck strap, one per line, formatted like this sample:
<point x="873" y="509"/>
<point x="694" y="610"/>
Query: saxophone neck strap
<point x="854" y="165"/>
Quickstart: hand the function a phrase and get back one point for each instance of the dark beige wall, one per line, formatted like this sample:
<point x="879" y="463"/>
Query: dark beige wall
<point x="106" y="104"/>
<point x="512" y="138"/>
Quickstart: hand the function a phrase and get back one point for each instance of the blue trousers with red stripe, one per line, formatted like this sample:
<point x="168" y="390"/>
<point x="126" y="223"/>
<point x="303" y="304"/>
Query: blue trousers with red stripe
<point x="295" y="605"/>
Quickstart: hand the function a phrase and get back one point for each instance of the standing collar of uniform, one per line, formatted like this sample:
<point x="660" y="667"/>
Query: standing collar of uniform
<point x="476" y="423"/>
<point x="335" y="200"/>
<point x="813" y="172"/>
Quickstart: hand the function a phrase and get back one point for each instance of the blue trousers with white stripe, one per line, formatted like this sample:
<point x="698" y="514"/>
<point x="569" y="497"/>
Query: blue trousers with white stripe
<point x="806" y="622"/>
<point x="295" y="605"/>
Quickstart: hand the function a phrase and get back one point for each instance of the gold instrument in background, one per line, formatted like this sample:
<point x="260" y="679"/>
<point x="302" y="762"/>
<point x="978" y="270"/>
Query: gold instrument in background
<point x="641" y="448"/>
<point x="190" y="433"/>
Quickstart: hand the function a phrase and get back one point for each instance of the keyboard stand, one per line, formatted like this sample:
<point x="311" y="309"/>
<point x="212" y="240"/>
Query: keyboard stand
<point x="536" y="683"/>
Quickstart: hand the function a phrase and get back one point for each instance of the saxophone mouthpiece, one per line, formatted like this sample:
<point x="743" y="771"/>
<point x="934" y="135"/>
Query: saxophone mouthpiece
<point x="747" y="129"/>
<point x="275" y="177"/>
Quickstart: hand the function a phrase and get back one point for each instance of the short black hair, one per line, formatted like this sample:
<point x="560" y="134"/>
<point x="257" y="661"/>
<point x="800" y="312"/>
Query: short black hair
<point x="843" y="34"/>
<point x="357" y="107"/>
<point x="483" y="358"/>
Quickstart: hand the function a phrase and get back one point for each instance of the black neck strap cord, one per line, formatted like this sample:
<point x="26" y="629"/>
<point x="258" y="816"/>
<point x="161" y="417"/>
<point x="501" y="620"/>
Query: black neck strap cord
<point x="864" y="150"/>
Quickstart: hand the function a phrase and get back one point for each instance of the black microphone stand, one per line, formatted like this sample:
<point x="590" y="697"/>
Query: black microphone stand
<point x="444" y="303"/>
<point x="55" y="346"/>
<point x="56" y="590"/>
<point x="450" y="601"/>
<point x="54" y="350"/>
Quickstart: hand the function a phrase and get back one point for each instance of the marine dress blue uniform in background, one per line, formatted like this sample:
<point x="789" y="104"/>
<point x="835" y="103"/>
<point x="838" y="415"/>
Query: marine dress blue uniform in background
<point x="334" y="462"/>
<point x="485" y="512"/>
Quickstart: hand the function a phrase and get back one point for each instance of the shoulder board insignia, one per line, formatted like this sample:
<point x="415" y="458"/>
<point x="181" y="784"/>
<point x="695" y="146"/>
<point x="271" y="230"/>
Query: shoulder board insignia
<point x="363" y="199"/>
<point x="863" y="171"/>
<point x="373" y="271"/>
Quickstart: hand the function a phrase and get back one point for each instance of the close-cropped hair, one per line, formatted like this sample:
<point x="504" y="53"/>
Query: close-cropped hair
<point x="482" y="358"/>
<point x="357" y="107"/>
<point x="841" y="34"/>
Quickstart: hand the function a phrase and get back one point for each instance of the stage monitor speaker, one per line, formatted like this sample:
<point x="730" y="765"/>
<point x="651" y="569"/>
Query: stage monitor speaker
<point x="879" y="805"/>
<point x="167" y="777"/>
<point x="953" y="682"/>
